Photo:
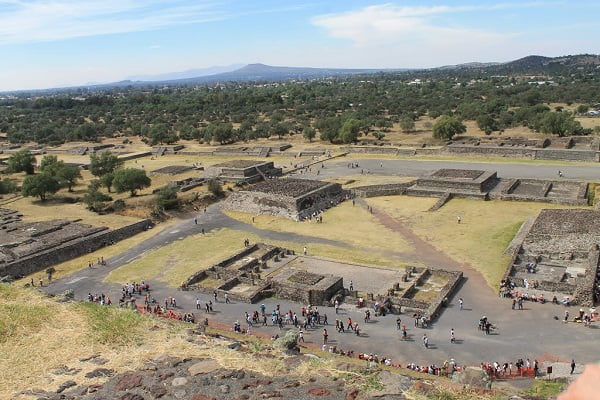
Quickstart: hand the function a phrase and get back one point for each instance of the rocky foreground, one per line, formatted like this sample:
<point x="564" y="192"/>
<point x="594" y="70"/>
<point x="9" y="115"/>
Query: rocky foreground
<point x="205" y="379"/>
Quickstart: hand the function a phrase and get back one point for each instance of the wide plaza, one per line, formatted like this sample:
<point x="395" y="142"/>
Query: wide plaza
<point x="535" y="332"/>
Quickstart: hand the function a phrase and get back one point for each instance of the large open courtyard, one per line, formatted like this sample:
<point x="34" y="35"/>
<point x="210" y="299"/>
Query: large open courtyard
<point x="384" y="235"/>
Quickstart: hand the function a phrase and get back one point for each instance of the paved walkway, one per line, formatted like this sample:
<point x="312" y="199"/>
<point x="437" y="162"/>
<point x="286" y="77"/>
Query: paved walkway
<point x="521" y="334"/>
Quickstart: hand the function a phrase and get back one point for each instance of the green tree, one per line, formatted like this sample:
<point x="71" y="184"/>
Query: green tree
<point x="107" y="180"/>
<point x="50" y="164"/>
<point x="560" y="123"/>
<point x="7" y="186"/>
<point x="329" y="128"/>
<point x="166" y="198"/>
<point x="446" y="127"/>
<point x="94" y="199"/>
<point x="160" y="133"/>
<point x="486" y="123"/>
<point x="40" y="185"/>
<point x="309" y="133"/>
<point x="349" y="131"/>
<point x="68" y="175"/>
<point x="104" y="163"/>
<point x="279" y="129"/>
<point x="221" y="132"/>
<point x="130" y="179"/>
<point x="21" y="161"/>
<point x="407" y="124"/>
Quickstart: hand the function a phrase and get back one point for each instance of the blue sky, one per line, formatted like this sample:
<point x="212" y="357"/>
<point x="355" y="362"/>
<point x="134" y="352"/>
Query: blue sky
<point x="49" y="43"/>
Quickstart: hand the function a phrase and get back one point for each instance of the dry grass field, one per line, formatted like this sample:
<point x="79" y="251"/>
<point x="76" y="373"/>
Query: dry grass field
<point x="175" y="262"/>
<point x="52" y="337"/>
<point x="68" y="267"/>
<point x="352" y="181"/>
<point x="486" y="227"/>
<point x="352" y="225"/>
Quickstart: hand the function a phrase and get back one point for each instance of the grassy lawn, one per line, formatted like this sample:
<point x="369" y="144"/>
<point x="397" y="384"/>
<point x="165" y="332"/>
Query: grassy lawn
<point x="68" y="267"/>
<point x="175" y="262"/>
<point x="352" y="181"/>
<point x="345" y="223"/>
<point x="545" y="389"/>
<point x="486" y="229"/>
<point x="34" y="210"/>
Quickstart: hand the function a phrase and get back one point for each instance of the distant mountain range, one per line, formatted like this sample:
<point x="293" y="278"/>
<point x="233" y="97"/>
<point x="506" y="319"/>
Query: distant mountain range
<point x="530" y="65"/>
<point x="190" y="73"/>
<point x="250" y="72"/>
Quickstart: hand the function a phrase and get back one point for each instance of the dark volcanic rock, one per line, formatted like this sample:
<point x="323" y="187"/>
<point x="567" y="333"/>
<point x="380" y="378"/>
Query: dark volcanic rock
<point x="100" y="372"/>
<point x="202" y="379"/>
<point x="129" y="381"/>
<point x="65" y="385"/>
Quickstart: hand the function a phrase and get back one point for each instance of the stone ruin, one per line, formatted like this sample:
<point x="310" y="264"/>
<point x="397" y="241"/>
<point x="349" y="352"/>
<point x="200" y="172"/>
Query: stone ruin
<point x="83" y="150"/>
<point x="419" y="290"/>
<point x="582" y="148"/>
<point x="248" y="171"/>
<point x="482" y="185"/>
<point x="168" y="149"/>
<point x="466" y="183"/>
<point x="563" y="247"/>
<point x="297" y="199"/>
<point x="27" y="247"/>
<point x="172" y="170"/>
<point x="262" y="270"/>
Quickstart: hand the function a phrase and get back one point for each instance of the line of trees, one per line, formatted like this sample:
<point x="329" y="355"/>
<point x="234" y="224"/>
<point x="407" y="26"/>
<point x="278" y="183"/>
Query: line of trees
<point x="54" y="174"/>
<point x="335" y="110"/>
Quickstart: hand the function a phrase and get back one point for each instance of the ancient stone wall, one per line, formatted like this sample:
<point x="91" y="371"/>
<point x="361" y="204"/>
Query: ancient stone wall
<point x="392" y="189"/>
<point x="72" y="249"/>
<point x="490" y="151"/>
<point x="584" y="292"/>
<point x="567" y="154"/>
<point x="455" y="277"/>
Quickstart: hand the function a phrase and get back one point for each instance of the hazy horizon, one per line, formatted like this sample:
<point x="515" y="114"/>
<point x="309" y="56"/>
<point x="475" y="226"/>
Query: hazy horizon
<point x="58" y="43"/>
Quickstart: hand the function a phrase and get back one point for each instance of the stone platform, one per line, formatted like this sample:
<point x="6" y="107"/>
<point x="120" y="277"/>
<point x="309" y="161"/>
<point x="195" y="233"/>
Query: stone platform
<point x="560" y="254"/>
<point x="297" y="199"/>
<point x="248" y="171"/>
<point x="31" y="246"/>
<point x="482" y="185"/>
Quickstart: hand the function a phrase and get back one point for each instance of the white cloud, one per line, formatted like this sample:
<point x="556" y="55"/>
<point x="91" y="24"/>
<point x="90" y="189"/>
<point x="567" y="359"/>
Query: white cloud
<point x="47" y="20"/>
<point x="386" y="24"/>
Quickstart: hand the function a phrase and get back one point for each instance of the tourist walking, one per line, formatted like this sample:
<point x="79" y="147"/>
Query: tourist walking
<point x="572" y="366"/>
<point x="461" y="303"/>
<point x="452" y="337"/>
<point x="425" y="341"/>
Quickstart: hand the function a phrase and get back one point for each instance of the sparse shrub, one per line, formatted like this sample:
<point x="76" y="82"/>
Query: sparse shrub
<point x="166" y="198"/>
<point x="215" y="188"/>
<point x="7" y="186"/>
<point x="118" y="205"/>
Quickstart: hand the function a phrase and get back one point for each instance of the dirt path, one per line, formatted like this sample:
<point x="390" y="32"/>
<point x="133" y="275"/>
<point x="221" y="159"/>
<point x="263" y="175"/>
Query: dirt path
<point x="428" y="254"/>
